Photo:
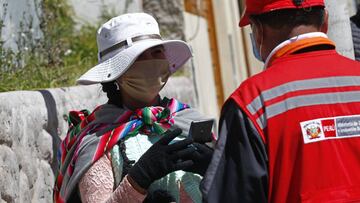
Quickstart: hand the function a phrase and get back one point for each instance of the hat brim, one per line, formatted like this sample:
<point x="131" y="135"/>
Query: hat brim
<point x="177" y="53"/>
<point x="245" y="20"/>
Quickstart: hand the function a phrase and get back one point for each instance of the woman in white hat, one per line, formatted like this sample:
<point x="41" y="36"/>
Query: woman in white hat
<point x="119" y="152"/>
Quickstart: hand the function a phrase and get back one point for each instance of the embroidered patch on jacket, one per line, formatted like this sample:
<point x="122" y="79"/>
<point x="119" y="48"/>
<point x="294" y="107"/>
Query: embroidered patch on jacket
<point x="330" y="128"/>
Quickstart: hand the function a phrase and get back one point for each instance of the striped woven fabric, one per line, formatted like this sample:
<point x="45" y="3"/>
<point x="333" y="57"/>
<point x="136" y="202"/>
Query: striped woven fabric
<point x="147" y="120"/>
<point x="355" y="30"/>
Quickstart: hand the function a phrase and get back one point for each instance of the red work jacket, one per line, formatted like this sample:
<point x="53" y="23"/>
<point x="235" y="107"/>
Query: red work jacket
<point x="306" y="108"/>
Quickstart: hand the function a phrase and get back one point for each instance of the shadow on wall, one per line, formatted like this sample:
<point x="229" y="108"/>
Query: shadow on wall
<point x="52" y="124"/>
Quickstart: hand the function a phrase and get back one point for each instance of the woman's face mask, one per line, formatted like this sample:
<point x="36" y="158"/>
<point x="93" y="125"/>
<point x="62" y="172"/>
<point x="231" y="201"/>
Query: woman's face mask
<point x="144" y="79"/>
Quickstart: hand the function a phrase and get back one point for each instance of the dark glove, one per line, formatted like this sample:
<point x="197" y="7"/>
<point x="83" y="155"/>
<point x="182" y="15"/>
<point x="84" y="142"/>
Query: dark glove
<point x="161" y="159"/>
<point x="201" y="158"/>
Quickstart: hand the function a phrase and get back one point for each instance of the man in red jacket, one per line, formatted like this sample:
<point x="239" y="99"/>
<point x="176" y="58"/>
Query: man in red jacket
<point x="292" y="132"/>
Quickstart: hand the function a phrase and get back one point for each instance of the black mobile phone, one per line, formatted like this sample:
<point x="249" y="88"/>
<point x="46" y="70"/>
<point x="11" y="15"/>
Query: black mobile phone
<point x="201" y="131"/>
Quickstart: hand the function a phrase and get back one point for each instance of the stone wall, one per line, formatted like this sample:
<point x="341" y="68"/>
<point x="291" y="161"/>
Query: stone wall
<point x="31" y="126"/>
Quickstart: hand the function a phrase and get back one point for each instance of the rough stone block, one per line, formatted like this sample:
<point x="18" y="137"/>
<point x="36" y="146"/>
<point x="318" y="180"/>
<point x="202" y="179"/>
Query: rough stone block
<point x="9" y="175"/>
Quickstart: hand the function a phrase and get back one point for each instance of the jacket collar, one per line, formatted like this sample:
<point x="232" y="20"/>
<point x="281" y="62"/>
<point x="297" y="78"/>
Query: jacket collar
<point x="297" y="43"/>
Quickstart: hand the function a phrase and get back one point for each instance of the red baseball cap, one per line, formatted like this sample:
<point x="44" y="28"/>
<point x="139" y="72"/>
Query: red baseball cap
<point x="255" y="7"/>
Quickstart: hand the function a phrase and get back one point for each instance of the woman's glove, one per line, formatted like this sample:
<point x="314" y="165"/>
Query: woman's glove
<point x="201" y="158"/>
<point x="161" y="159"/>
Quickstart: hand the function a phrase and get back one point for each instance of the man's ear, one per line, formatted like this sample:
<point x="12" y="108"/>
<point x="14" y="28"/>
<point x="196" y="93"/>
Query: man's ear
<point x="324" y="27"/>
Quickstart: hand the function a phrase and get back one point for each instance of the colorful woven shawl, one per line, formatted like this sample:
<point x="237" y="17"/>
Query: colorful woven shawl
<point x="147" y="121"/>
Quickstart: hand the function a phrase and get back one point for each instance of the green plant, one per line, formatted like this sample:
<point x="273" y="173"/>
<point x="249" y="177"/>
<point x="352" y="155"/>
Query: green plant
<point x="57" y="59"/>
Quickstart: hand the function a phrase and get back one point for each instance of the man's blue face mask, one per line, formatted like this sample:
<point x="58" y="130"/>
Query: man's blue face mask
<point x="256" y="51"/>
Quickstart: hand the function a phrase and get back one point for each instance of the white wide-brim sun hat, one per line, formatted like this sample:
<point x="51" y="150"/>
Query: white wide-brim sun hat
<point x="122" y="39"/>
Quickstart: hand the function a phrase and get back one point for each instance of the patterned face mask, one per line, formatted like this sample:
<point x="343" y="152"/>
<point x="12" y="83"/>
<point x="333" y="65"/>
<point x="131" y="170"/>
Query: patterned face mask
<point x="144" y="80"/>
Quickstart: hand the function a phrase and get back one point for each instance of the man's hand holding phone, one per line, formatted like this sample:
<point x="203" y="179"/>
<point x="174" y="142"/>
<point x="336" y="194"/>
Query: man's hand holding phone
<point x="201" y="131"/>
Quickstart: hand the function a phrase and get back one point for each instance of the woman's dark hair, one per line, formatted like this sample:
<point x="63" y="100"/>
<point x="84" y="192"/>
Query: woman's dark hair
<point x="112" y="92"/>
<point x="292" y="18"/>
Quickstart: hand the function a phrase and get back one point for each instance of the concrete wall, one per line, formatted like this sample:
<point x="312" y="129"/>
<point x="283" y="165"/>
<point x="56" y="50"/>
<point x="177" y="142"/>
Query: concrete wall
<point x="230" y="43"/>
<point x="31" y="126"/>
<point x="339" y="26"/>
<point x="196" y="28"/>
<point x="169" y="15"/>
<point x="89" y="11"/>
